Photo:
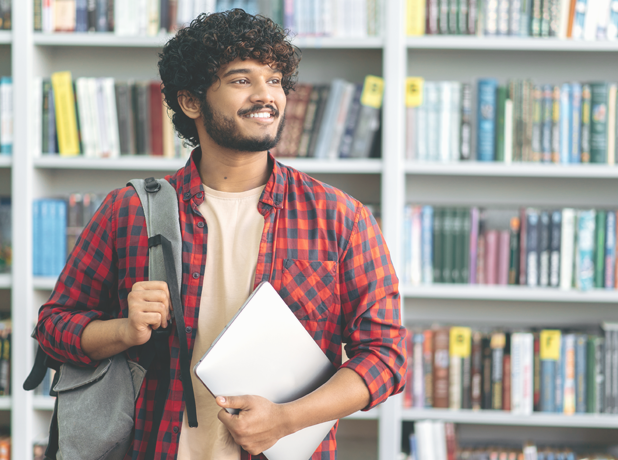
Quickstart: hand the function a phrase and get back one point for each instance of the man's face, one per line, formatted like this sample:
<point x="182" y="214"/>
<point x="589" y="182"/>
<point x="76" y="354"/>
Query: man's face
<point x="244" y="110"/>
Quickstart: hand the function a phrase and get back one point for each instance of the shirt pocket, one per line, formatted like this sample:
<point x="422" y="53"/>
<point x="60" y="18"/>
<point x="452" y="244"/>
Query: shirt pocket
<point x="309" y="287"/>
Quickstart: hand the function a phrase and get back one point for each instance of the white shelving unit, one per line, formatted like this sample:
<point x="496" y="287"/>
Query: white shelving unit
<point x="390" y="181"/>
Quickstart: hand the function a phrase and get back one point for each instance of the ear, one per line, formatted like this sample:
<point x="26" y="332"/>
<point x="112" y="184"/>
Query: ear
<point x="189" y="104"/>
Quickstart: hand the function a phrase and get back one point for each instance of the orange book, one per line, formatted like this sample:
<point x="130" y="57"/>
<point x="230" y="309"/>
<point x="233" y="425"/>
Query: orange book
<point x="571" y="17"/>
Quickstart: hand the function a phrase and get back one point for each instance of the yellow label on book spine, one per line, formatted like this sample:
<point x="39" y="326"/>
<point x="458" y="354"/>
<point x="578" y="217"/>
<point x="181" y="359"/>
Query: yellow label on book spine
<point x="460" y="341"/>
<point x="66" y="121"/>
<point x="373" y="91"/>
<point x="550" y="344"/>
<point x="415" y="18"/>
<point x="414" y="91"/>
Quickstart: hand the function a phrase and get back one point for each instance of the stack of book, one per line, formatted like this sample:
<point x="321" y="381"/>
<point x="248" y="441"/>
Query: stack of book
<point x="6" y="252"/>
<point x="521" y="371"/>
<point x="57" y="224"/>
<point x="520" y="121"/>
<point x="559" y="248"/>
<point x="561" y="19"/>
<point x="101" y="118"/>
<point x="337" y="18"/>
<point x="433" y="440"/>
<point x="340" y="120"/>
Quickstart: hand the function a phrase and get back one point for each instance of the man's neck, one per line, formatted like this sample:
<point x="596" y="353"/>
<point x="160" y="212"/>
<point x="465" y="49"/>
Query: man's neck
<point x="232" y="171"/>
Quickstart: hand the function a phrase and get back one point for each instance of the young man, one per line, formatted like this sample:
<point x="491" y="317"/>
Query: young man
<point x="245" y="218"/>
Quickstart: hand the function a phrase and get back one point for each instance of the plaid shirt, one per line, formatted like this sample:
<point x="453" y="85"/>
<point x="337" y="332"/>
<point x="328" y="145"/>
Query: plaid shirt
<point x="331" y="266"/>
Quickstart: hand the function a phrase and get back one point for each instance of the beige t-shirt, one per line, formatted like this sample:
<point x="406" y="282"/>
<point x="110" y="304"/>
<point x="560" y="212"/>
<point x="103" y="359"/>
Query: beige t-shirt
<point x="234" y="231"/>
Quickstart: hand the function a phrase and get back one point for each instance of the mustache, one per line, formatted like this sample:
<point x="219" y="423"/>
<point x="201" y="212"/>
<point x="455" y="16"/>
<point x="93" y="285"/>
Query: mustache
<point x="257" y="108"/>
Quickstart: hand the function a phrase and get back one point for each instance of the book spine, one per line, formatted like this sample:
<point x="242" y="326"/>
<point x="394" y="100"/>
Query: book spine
<point x="560" y="377"/>
<point x="556" y="125"/>
<point x="523" y="247"/>
<point x="441" y="368"/>
<point x="497" y="369"/>
<point x="546" y="131"/>
<point x="473" y="17"/>
<point x="569" y="398"/>
<point x="554" y="17"/>
<point x="514" y="17"/>
<point x="585" y="124"/>
<point x="591" y="374"/>
<point x="565" y="123"/>
<point x="544" y="248"/>
<point x="527" y="114"/>
<point x="579" y="18"/>
<point x="428" y="355"/>
<point x="437" y="243"/>
<point x="466" y="122"/>
<point x="611" y="125"/>
<point x="532" y="247"/>
<point x="555" y="242"/>
<point x="506" y="368"/>
<point x="599" y="96"/>
<point x="81" y="16"/>
<point x="427" y="245"/>
<point x="462" y="17"/>
<point x="453" y="9"/>
<point x="418" y="399"/>
<point x="6" y="114"/>
<point x="447" y="244"/>
<point x="455" y="121"/>
<point x="443" y="16"/>
<point x="576" y="100"/>
<point x="504" y="239"/>
<point x="431" y="25"/>
<point x="473" y="245"/>
<point x="585" y="250"/>
<point x="444" y="125"/>
<point x="514" y="251"/>
<point x="567" y="249"/>
<point x="464" y="246"/>
<point x="486" y="401"/>
<point x="432" y="100"/>
<point x="546" y="17"/>
<point x="526" y="10"/>
<point x="612" y="25"/>
<point x="599" y="249"/>
<point x="516" y="373"/>
<point x="528" y="373"/>
<point x="457" y="245"/>
<point x="609" y="374"/>
<point x="537" y="18"/>
<point x="537" y="378"/>
<point x="66" y="121"/>
<point x="548" y="385"/>
<point x="101" y="16"/>
<point x="581" y="387"/>
<point x="486" y="119"/>
<point x="490" y="17"/>
<point x="466" y="382"/>
<point x="455" y="382"/>
<point x="610" y="249"/>
<point x="476" y="372"/>
<point x="537" y="123"/>
<point x="500" y="123"/>
<point x="415" y="236"/>
<point x="508" y="131"/>
<point x="600" y="374"/>
<point x="503" y="17"/>
<point x="410" y="384"/>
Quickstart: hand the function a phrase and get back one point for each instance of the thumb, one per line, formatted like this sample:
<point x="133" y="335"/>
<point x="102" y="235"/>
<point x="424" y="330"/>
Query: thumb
<point x="233" y="402"/>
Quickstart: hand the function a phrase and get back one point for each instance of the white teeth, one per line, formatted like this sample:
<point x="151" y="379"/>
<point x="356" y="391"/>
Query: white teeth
<point x="260" y="115"/>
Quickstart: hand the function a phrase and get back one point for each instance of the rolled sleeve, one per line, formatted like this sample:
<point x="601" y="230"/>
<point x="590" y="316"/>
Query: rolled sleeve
<point x="373" y="334"/>
<point x="83" y="292"/>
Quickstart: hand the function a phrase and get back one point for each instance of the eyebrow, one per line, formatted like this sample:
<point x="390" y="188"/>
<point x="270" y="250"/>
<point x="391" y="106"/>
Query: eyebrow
<point x="245" y="71"/>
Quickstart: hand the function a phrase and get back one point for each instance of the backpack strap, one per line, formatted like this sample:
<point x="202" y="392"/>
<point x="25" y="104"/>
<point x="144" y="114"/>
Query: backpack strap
<point x="160" y="203"/>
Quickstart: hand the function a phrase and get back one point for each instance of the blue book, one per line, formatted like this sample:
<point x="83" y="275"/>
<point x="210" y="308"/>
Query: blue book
<point x="610" y="249"/>
<point x="102" y="25"/>
<point x="36" y="240"/>
<point x="45" y="237"/>
<point x="427" y="245"/>
<point x="548" y="385"/>
<point x="576" y="106"/>
<point x="579" y="19"/>
<point x="565" y="123"/>
<point x="612" y="26"/>
<point x="413" y="447"/>
<point x="407" y="243"/>
<point x="327" y="127"/>
<point x="81" y="16"/>
<point x="487" y="103"/>
<point x="584" y="275"/>
<point x="560" y="371"/>
<point x="581" y="349"/>
<point x="351" y="121"/>
<point x="6" y="136"/>
<point x="60" y="229"/>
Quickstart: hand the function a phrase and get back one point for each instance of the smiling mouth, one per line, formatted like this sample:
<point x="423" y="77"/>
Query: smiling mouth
<point x="262" y="115"/>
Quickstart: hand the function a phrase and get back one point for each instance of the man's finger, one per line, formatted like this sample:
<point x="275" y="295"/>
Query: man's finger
<point x="233" y="402"/>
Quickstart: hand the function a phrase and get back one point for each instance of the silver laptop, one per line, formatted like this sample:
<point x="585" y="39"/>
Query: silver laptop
<point x="265" y="351"/>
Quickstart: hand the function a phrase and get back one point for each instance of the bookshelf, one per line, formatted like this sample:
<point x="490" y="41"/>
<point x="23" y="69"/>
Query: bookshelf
<point x="390" y="181"/>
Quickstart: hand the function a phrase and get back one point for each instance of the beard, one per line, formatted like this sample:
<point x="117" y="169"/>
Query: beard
<point x="226" y="133"/>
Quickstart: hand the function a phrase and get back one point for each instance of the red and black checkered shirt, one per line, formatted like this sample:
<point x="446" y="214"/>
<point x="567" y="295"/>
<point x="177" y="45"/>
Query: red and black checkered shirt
<point x="331" y="266"/>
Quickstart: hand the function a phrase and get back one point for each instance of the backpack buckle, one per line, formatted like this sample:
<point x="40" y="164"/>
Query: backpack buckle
<point x="152" y="185"/>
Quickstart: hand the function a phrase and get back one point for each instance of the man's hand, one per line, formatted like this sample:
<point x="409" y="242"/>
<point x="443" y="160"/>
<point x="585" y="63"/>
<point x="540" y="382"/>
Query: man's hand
<point x="149" y="309"/>
<point x="258" y="426"/>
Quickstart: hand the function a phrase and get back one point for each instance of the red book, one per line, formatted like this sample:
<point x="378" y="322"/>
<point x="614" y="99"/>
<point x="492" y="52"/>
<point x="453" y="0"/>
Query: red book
<point x="407" y="393"/>
<point x="431" y="25"/>
<point x="504" y="246"/>
<point x="156" y="119"/>
<point x="428" y="366"/>
<point x="451" y="441"/>
<point x="441" y="368"/>
<point x="480" y="260"/>
<point x="506" y="376"/>
<point x="491" y="257"/>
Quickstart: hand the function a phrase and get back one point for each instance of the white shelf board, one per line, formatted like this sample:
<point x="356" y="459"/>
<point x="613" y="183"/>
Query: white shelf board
<point x="506" y="418"/>
<point x="507" y="44"/>
<point x="44" y="283"/>
<point x="514" y="293"/>
<point x="43" y="403"/>
<point x="6" y="37"/>
<point x="6" y="161"/>
<point x="6" y="281"/>
<point x="495" y="169"/>
<point x="6" y="403"/>
<point x="112" y="40"/>
<point x="146" y="163"/>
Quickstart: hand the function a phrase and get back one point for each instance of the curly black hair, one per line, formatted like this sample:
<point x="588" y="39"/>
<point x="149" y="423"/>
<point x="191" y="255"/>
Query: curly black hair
<point x="191" y="59"/>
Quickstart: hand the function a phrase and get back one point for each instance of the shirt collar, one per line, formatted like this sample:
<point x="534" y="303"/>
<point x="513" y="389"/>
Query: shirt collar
<point x="273" y="191"/>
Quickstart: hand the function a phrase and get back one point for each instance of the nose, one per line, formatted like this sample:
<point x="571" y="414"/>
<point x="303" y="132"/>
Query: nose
<point x="262" y="93"/>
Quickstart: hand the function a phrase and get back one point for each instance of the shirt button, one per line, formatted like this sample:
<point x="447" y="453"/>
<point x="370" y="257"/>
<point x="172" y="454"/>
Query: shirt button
<point x="196" y="275"/>
<point x="187" y="195"/>
<point x="200" y="224"/>
<point x="188" y="329"/>
<point x="199" y="195"/>
<point x="176" y="430"/>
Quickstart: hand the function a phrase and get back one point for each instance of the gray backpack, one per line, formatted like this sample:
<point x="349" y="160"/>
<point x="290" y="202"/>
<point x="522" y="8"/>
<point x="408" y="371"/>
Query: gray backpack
<point x="94" y="414"/>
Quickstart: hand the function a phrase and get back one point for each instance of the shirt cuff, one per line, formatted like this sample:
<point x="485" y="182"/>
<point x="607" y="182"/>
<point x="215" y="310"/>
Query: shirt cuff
<point x="377" y="376"/>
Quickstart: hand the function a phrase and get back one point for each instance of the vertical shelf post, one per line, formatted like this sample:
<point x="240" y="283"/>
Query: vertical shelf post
<point x="22" y="414"/>
<point x="392" y="186"/>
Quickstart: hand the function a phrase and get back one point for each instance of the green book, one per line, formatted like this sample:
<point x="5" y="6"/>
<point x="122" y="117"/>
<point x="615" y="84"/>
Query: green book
<point x="447" y="245"/>
<point x="599" y="250"/>
<point x="537" y="124"/>
<point x="599" y="95"/>
<point x="514" y="251"/>
<point x="501" y="107"/>
<point x="464" y="248"/>
<point x="457" y="259"/>
<point x="438" y="215"/>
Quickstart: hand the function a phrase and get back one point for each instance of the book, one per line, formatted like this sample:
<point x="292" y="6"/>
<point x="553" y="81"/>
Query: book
<point x="567" y="249"/>
<point x="599" y="95"/>
<point x="6" y="115"/>
<point x="555" y="245"/>
<point x="581" y="388"/>
<point x="585" y="124"/>
<point x="544" y="239"/>
<point x="584" y="262"/>
<point x="369" y="117"/>
<point x="599" y="249"/>
<point x="610" y="250"/>
<point x="441" y="368"/>
<point x="575" y="144"/>
<point x="487" y="89"/>
<point x="497" y="344"/>
<point x="476" y="371"/>
<point x="66" y="120"/>
<point x="566" y="123"/>
<point x="550" y="346"/>
<point x="532" y="247"/>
